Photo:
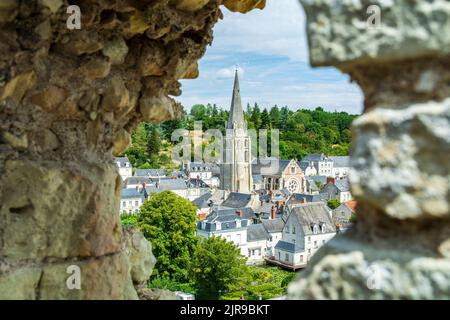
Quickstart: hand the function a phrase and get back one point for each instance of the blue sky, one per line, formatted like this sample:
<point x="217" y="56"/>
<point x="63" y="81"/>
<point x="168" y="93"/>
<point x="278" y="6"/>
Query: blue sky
<point x="270" y="48"/>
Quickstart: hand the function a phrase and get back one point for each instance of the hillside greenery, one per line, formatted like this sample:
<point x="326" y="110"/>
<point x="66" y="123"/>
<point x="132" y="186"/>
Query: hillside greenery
<point x="301" y="132"/>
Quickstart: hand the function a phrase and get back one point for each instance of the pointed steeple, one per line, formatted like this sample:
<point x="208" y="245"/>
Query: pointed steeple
<point x="236" y="119"/>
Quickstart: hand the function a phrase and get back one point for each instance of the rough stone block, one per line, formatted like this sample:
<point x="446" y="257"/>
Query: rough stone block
<point x="67" y="212"/>
<point x="338" y="31"/>
<point x="401" y="160"/>
<point x="349" y="269"/>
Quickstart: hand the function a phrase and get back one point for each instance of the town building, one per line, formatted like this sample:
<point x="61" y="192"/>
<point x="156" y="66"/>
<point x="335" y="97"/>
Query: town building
<point x="124" y="166"/>
<point x="341" y="166"/>
<point x="150" y="173"/>
<point x="322" y="163"/>
<point x="342" y="215"/>
<point x="131" y="200"/>
<point x="280" y="174"/>
<point x="236" y="169"/>
<point x="337" y="189"/>
<point x="308" y="226"/>
<point x="308" y="168"/>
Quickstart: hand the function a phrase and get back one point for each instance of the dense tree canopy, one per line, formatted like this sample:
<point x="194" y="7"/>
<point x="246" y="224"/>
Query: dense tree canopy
<point x="217" y="268"/>
<point x="301" y="132"/>
<point x="169" y="222"/>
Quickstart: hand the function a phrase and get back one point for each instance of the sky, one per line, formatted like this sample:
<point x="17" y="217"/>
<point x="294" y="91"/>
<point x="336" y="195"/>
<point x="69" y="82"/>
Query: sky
<point x="269" y="48"/>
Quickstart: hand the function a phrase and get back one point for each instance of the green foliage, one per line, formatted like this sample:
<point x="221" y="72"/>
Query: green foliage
<point x="128" y="219"/>
<point x="333" y="203"/>
<point x="218" y="267"/>
<point x="172" y="285"/>
<point x="169" y="222"/>
<point x="319" y="184"/>
<point x="353" y="218"/>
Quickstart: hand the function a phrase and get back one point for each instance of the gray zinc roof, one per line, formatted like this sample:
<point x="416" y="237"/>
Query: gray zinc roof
<point x="341" y="161"/>
<point x="289" y="247"/>
<point x="150" y="173"/>
<point x="273" y="225"/>
<point x="122" y="161"/>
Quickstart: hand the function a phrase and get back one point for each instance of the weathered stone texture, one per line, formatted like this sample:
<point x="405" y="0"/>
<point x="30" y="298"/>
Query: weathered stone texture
<point x="338" y="33"/>
<point x="68" y="101"/>
<point x="399" y="247"/>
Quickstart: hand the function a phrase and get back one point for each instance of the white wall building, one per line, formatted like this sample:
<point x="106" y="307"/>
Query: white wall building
<point x="124" y="166"/>
<point x="308" y="227"/>
<point x="341" y="166"/>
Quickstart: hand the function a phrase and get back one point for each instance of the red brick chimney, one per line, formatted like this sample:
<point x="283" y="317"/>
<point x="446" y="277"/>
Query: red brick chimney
<point x="240" y="213"/>
<point x="331" y="179"/>
<point x="273" y="212"/>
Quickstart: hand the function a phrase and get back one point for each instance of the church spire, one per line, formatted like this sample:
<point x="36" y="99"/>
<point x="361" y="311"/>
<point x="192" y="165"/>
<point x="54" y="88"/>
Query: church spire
<point x="236" y="119"/>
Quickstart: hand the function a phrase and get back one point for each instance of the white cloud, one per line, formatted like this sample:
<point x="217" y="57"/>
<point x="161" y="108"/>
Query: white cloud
<point x="278" y="29"/>
<point x="229" y="72"/>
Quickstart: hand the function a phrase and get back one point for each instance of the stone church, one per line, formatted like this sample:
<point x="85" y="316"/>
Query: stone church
<point x="236" y="168"/>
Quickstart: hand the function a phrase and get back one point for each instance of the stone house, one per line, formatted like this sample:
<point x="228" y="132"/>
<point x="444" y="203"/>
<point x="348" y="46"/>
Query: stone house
<point x="307" y="228"/>
<point x="280" y="174"/>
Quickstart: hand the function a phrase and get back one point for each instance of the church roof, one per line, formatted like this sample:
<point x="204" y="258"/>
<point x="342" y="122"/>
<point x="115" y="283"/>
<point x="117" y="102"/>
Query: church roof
<point x="237" y="200"/>
<point x="236" y="119"/>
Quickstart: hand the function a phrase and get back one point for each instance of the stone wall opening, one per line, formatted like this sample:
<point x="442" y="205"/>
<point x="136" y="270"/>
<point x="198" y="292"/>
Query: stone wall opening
<point x="70" y="98"/>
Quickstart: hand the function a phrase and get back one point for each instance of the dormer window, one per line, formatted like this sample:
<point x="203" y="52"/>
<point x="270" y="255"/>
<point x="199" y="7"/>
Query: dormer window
<point x="316" y="229"/>
<point x="218" y="226"/>
<point x="324" y="228"/>
<point x="238" y="223"/>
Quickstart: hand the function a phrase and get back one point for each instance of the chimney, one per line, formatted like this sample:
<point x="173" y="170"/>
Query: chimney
<point x="240" y="213"/>
<point x="331" y="179"/>
<point x="273" y="212"/>
<point x="303" y="200"/>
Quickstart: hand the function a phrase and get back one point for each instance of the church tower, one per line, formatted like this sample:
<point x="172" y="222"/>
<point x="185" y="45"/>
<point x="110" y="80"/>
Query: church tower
<point x="236" y="169"/>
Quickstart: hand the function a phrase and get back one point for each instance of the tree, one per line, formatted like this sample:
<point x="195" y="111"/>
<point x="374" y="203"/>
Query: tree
<point x="153" y="143"/>
<point x="218" y="267"/>
<point x="169" y="222"/>
<point x="256" y="117"/>
<point x="265" y="120"/>
<point x="333" y="203"/>
<point x="275" y="117"/>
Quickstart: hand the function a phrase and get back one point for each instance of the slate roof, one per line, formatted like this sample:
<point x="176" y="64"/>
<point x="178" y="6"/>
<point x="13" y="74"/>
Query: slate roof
<point x="312" y="185"/>
<point x="131" y="193"/>
<point x="343" y="185"/>
<point x="269" y="166"/>
<point x="273" y="225"/>
<point x="150" y="173"/>
<point x="236" y="118"/>
<point x="237" y="200"/>
<point x="322" y="179"/>
<point x="289" y="247"/>
<point x="257" y="178"/>
<point x="256" y="232"/>
<point x="227" y="219"/>
<point x="304" y="165"/>
<point x="298" y="198"/>
<point x="196" y="183"/>
<point x="342" y="212"/>
<point x="202" y="201"/>
<point x="315" y="157"/>
<point x="199" y="167"/>
<point x="341" y="161"/>
<point x="122" y="161"/>
<point x="311" y="214"/>
<point x="137" y="180"/>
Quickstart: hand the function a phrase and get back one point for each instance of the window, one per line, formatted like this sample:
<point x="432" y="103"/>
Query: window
<point x="293" y="170"/>
<point x="136" y="203"/>
<point x="130" y="203"/>
<point x="315" y="243"/>
<point x="316" y="229"/>
<point x="301" y="258"/>
<point x="309" y="251"/>
<point x="124" y="203"/>
<point x="293" y="229"/>
<point x="309" y="239"/>
<point x="323" y="241"/>
<point x="324" y="228"/>
<point x="286" y="257"/>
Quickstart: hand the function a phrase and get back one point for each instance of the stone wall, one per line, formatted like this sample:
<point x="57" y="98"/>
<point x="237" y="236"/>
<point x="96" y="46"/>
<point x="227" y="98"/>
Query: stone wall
<point x="400" y="246"/>
<point x="69" y="100"/>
